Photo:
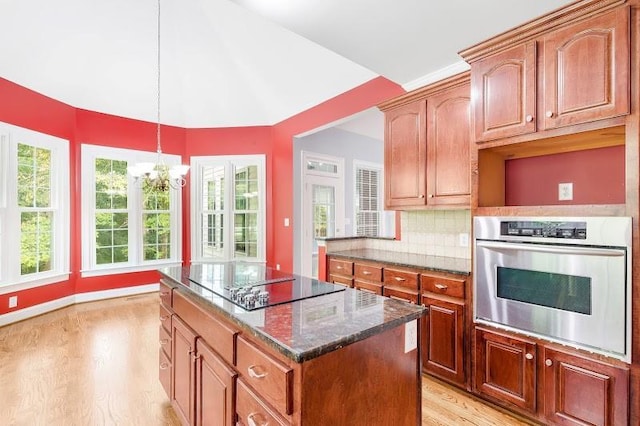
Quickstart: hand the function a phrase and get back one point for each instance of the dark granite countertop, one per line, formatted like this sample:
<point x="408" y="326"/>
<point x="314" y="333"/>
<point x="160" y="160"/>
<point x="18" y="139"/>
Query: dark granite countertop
<point x="305" y="329"/>
<point x="434" y="263"/>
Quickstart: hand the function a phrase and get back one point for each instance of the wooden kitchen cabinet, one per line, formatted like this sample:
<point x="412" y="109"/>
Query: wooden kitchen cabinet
<point x="405" y="155"/>
<point x="448" y="140"/>
<point x="215" y="388"/>
<point x="368" y="277"/>
<point x="183" y="383"/>
<point x="579" y="391"/>
<point x="426" y="146"/>
<point x="505" y="369"/>
<point x="443" y="346"/>
<point x="583" y="77"/>
<point x="340" y="272"/>
<point x="165" y="372"/>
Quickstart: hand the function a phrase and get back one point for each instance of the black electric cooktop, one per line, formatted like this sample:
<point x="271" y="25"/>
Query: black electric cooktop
<point x="254" y="286"/>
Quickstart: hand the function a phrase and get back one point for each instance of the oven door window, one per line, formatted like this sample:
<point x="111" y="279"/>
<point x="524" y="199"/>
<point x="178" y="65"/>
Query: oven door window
<point x="559" y="291"/>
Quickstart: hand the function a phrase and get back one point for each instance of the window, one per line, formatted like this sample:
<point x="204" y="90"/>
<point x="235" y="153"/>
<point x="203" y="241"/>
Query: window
<point x="34" y="208"/>
<point x="124" y="228"/>
<point x="228" y="214"/>
<point x="370" y="218"/>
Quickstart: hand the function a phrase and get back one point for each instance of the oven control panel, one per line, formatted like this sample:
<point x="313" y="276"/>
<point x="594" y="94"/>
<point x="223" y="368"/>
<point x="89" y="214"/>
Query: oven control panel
<point x="544" y="229"/>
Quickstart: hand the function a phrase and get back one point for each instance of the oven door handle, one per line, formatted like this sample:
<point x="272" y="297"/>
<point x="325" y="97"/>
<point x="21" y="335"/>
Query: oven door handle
<point x="588" y="251"/>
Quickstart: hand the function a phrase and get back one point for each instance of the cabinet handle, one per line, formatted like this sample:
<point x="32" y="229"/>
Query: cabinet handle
<point x="549" y="114"/>
<point x="441" y="287"/>
<point x="164" y="366"/>
<point x="529" y="356"/>
<point x="338" y="267"/>
<point x="164" y="293"/>
<point x="366" y="273"/>
<point x="164" y="342"/>
<point x="529" y="118"/>
<point x="255" y="419"/>
<point x="548" y="362"/>
<point x="253" y="373"/>
<point x="163" y="318"/>
<point x="399" y="279"/>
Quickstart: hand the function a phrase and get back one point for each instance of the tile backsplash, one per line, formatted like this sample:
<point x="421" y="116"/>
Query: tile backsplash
<point x="433" y="233"/>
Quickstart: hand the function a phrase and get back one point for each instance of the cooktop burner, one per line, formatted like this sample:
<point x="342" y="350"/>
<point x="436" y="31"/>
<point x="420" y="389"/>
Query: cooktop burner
<point x="254" y="286"/>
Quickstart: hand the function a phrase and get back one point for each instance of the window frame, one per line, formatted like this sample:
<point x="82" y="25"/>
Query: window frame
<point x="360" y="164"/>
<point x="135" y="210"/>
<point x="11" y="279"/>
<point x="230" y="163"/>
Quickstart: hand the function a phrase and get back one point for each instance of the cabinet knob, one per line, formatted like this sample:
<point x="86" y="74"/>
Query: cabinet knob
<point x="529" y="356"/>
<point x="529" y="118"/>
<point x="255" y="419"/>
<point x="548" y="362"/>
<point x="430" y="195"/>
<point x="252" y="370"/>
<point x="549" y="114"/>
<point x="421" y="195"/>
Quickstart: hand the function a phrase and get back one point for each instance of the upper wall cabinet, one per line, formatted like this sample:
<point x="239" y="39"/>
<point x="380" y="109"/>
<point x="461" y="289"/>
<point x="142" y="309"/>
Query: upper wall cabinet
<point x="426" y="146"/>
<point x="549" y="75"/>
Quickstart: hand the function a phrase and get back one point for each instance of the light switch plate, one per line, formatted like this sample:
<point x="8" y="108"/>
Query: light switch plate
<point x="13" y="301"/>
<point x="565" y="191"/>
<point x="410" y="336"/>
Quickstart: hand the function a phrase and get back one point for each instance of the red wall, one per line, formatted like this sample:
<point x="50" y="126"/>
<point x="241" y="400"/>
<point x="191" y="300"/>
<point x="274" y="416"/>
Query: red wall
<point x="598" y="177"/>
<point x="26" y="108"/>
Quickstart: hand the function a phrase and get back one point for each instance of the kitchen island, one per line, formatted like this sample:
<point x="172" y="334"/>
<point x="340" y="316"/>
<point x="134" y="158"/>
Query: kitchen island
<point x="314" y="354"/>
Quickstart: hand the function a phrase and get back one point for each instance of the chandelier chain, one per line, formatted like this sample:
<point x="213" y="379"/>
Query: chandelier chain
<point x="158" y="93"/>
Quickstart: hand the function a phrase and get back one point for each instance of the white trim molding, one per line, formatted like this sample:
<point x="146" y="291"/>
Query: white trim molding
<point x="438" y="75"/>
<point x="43" y="308"/>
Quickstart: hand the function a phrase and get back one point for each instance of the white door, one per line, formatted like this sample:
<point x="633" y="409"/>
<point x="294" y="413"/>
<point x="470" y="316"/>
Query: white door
<point x="322" y="207"/>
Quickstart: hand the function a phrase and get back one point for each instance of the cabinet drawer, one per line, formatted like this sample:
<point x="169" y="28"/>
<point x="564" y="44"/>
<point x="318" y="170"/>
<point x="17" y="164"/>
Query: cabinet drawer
<point x="401" y="294"/>
<point x="268" y="376"/>
<point x="165" y="293"/>
<point x="367" y="272"/>
<point x="341" y="267"/>
<point x="165" y="341"/>
<point x="370" y="287"/>
<point x="165" y="372"/>
<point x="165" y="318"/>
<point x="252" y="410"/>
<point x="218" y="335"/>
<point x="337" y="279"/>
<point x="443" y="285"/>
<point x="402" y="278"/>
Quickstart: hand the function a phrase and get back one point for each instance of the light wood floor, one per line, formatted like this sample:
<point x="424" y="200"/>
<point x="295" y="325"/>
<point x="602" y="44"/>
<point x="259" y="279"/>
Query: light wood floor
<point x="97" y="364"/>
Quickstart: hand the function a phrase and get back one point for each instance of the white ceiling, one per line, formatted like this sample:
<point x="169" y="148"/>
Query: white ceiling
<point x="232" y="63"/>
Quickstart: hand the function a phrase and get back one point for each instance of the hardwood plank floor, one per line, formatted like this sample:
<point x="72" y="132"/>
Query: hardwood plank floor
<point x="97" y="364"/>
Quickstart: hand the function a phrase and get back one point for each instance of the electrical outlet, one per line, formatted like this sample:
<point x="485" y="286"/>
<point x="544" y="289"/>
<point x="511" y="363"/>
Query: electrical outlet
<point x="286" y="221"/>
<point x="565" y="191"/>
<point x="13" y="301"/>
<point x="410" y="336"/>
<point x="277" y="266"/>
<point x="463" y="239"/>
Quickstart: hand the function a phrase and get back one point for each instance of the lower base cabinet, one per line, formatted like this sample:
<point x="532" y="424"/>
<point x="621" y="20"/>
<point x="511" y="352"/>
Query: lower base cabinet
<point x="215" y="388"/>
<point x="183" y="383"/>
<point x="443" y="340"/>
<point x="581" y="391"/>
<point x="571" y="389"/>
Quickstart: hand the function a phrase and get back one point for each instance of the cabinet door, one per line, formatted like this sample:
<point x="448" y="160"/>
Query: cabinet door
<point x="183" y="362"/>
<point x="448" y="139"/>
<point x="505" y="369"/>
<point x="443" y="340"/>
<point x="215" y="389"/>
<point x="579" y="391"/>
<point x="405" y="155"/>
<point x="504" y="93"/>
<point x="586" y="70"/>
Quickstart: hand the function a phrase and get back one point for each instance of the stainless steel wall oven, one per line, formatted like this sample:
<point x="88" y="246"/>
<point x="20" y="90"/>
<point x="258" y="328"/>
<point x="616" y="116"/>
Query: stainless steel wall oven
<point x="563" y="279"/>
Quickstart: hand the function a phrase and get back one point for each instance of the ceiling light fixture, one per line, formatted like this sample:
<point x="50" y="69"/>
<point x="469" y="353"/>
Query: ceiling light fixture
<point x="159" y="177"/>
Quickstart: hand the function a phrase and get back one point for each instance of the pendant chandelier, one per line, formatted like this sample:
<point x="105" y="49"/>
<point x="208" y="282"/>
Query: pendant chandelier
<point x="158" y="177"/>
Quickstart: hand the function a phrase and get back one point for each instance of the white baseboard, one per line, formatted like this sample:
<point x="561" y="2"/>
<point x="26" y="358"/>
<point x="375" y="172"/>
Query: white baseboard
<point x="52" y="305"/>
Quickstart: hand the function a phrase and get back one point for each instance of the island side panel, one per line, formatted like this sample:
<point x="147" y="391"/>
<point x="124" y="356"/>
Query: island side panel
<point x="372" y="381"/>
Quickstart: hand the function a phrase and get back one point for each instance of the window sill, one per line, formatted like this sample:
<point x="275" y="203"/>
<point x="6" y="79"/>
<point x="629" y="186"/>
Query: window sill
<point x="127" y="269"/>
<point x="39" y="282"/>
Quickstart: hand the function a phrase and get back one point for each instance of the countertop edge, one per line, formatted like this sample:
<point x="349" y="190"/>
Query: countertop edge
<point x="287" y="351"/>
